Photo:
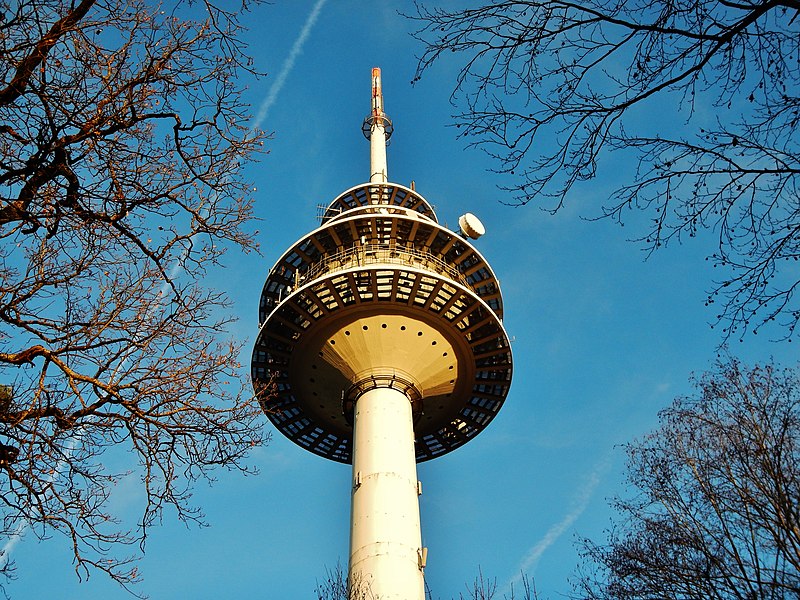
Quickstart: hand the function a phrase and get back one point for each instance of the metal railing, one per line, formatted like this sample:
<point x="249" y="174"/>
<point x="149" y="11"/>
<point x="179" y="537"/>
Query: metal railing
<point x="378" y="254"/>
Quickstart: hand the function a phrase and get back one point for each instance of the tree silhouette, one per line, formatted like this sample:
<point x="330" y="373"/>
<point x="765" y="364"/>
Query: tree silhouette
<point x="122" y="133"/>
<point x="713" y="510"/>
<point x="694" y="103"/>
<point x="335" y="586"/>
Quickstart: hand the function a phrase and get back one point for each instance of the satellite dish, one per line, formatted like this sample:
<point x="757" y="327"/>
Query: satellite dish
<point x="471" y="226"/>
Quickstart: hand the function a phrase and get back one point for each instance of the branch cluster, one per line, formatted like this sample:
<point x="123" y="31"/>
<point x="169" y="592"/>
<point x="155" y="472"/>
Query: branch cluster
<point x="715" y="513"/>
<point x="698" y="102"/>
<point x="122" y="134"/>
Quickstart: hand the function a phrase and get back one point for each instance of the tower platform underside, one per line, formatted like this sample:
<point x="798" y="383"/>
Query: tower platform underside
<point x="381" y="296"/>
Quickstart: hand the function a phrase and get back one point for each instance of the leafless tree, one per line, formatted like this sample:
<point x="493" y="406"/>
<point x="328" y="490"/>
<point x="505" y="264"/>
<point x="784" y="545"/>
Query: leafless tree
<point x="693" y="102"/>
<point x="122" y="134"/>
<point x="335" y="587"/>
<point x="713" y="511"/>
<point x="484" y="588"/>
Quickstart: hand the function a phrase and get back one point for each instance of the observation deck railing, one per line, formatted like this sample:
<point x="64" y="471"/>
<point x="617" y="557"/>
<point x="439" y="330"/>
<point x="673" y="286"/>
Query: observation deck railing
<point x="377" y="254"/>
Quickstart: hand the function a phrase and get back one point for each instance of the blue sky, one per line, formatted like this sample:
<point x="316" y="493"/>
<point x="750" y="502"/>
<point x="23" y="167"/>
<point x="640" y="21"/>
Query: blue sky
<point x="602" y="340"/>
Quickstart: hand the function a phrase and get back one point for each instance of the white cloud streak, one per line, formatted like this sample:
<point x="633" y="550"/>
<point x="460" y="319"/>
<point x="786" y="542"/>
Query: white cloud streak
<point x="579" y="503"/>
<point x="177" y="268"/>
<point x="288" y="65"/>
<point x="23" y="525"/>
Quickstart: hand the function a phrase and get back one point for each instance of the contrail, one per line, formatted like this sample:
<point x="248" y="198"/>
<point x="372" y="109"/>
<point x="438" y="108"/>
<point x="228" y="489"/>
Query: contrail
<point x="23" y="525"/>
<point x="579" y="504"/>
<point x="288" y="65"/>
<point x="177" y="268"/>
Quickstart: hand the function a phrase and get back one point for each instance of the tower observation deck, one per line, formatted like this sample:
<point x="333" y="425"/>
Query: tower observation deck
<point x="381" y="344"/>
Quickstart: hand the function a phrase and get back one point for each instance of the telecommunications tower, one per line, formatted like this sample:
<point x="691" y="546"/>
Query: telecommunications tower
<point x="381" y="344"/>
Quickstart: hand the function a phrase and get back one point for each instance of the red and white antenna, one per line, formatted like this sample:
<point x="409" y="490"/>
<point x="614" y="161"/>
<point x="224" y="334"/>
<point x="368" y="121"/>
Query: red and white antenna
<point x="377" y="128"/>
<point x="377" y="94"/>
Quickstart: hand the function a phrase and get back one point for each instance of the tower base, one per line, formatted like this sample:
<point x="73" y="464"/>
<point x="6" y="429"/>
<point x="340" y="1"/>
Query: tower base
<point x="385" y="539"/>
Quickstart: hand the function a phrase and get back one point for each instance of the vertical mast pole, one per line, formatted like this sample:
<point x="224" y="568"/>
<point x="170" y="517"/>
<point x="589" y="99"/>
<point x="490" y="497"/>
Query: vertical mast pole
<point x="386" y="554"/>
<point x="377" y="138"/>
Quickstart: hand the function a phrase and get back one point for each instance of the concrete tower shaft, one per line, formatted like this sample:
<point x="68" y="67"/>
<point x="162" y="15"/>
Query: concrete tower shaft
<point x="385" y="538"/>
<point x="381" y="343"/>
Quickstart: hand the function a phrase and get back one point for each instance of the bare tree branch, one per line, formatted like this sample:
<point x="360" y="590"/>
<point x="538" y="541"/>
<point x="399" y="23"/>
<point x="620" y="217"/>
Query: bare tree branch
<point x="122" y="136"/>
<point x="700" y="98"/>
<point x="713" y="506"/>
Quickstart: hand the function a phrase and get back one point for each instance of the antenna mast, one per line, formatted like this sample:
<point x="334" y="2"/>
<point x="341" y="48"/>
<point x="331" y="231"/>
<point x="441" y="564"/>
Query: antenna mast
<point x="377" y="128"/>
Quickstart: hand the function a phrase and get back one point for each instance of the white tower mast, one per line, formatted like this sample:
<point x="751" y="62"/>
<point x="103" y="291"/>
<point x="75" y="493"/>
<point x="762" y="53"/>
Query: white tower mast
<point x="386" y="554"/>
<point x="382" y="344"/>
<point x="378" y="123"/>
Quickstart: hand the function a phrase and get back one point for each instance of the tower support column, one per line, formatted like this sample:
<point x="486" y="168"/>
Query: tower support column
<point x="385" y="540"/>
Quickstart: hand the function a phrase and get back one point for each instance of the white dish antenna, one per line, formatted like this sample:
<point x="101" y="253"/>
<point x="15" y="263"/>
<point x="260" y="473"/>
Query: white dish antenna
<point x="471" y="226"/>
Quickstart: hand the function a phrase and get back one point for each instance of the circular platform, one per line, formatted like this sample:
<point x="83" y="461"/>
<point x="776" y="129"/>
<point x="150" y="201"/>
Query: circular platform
<point x="430" y="329"/>
<point x="381" y="294"/>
